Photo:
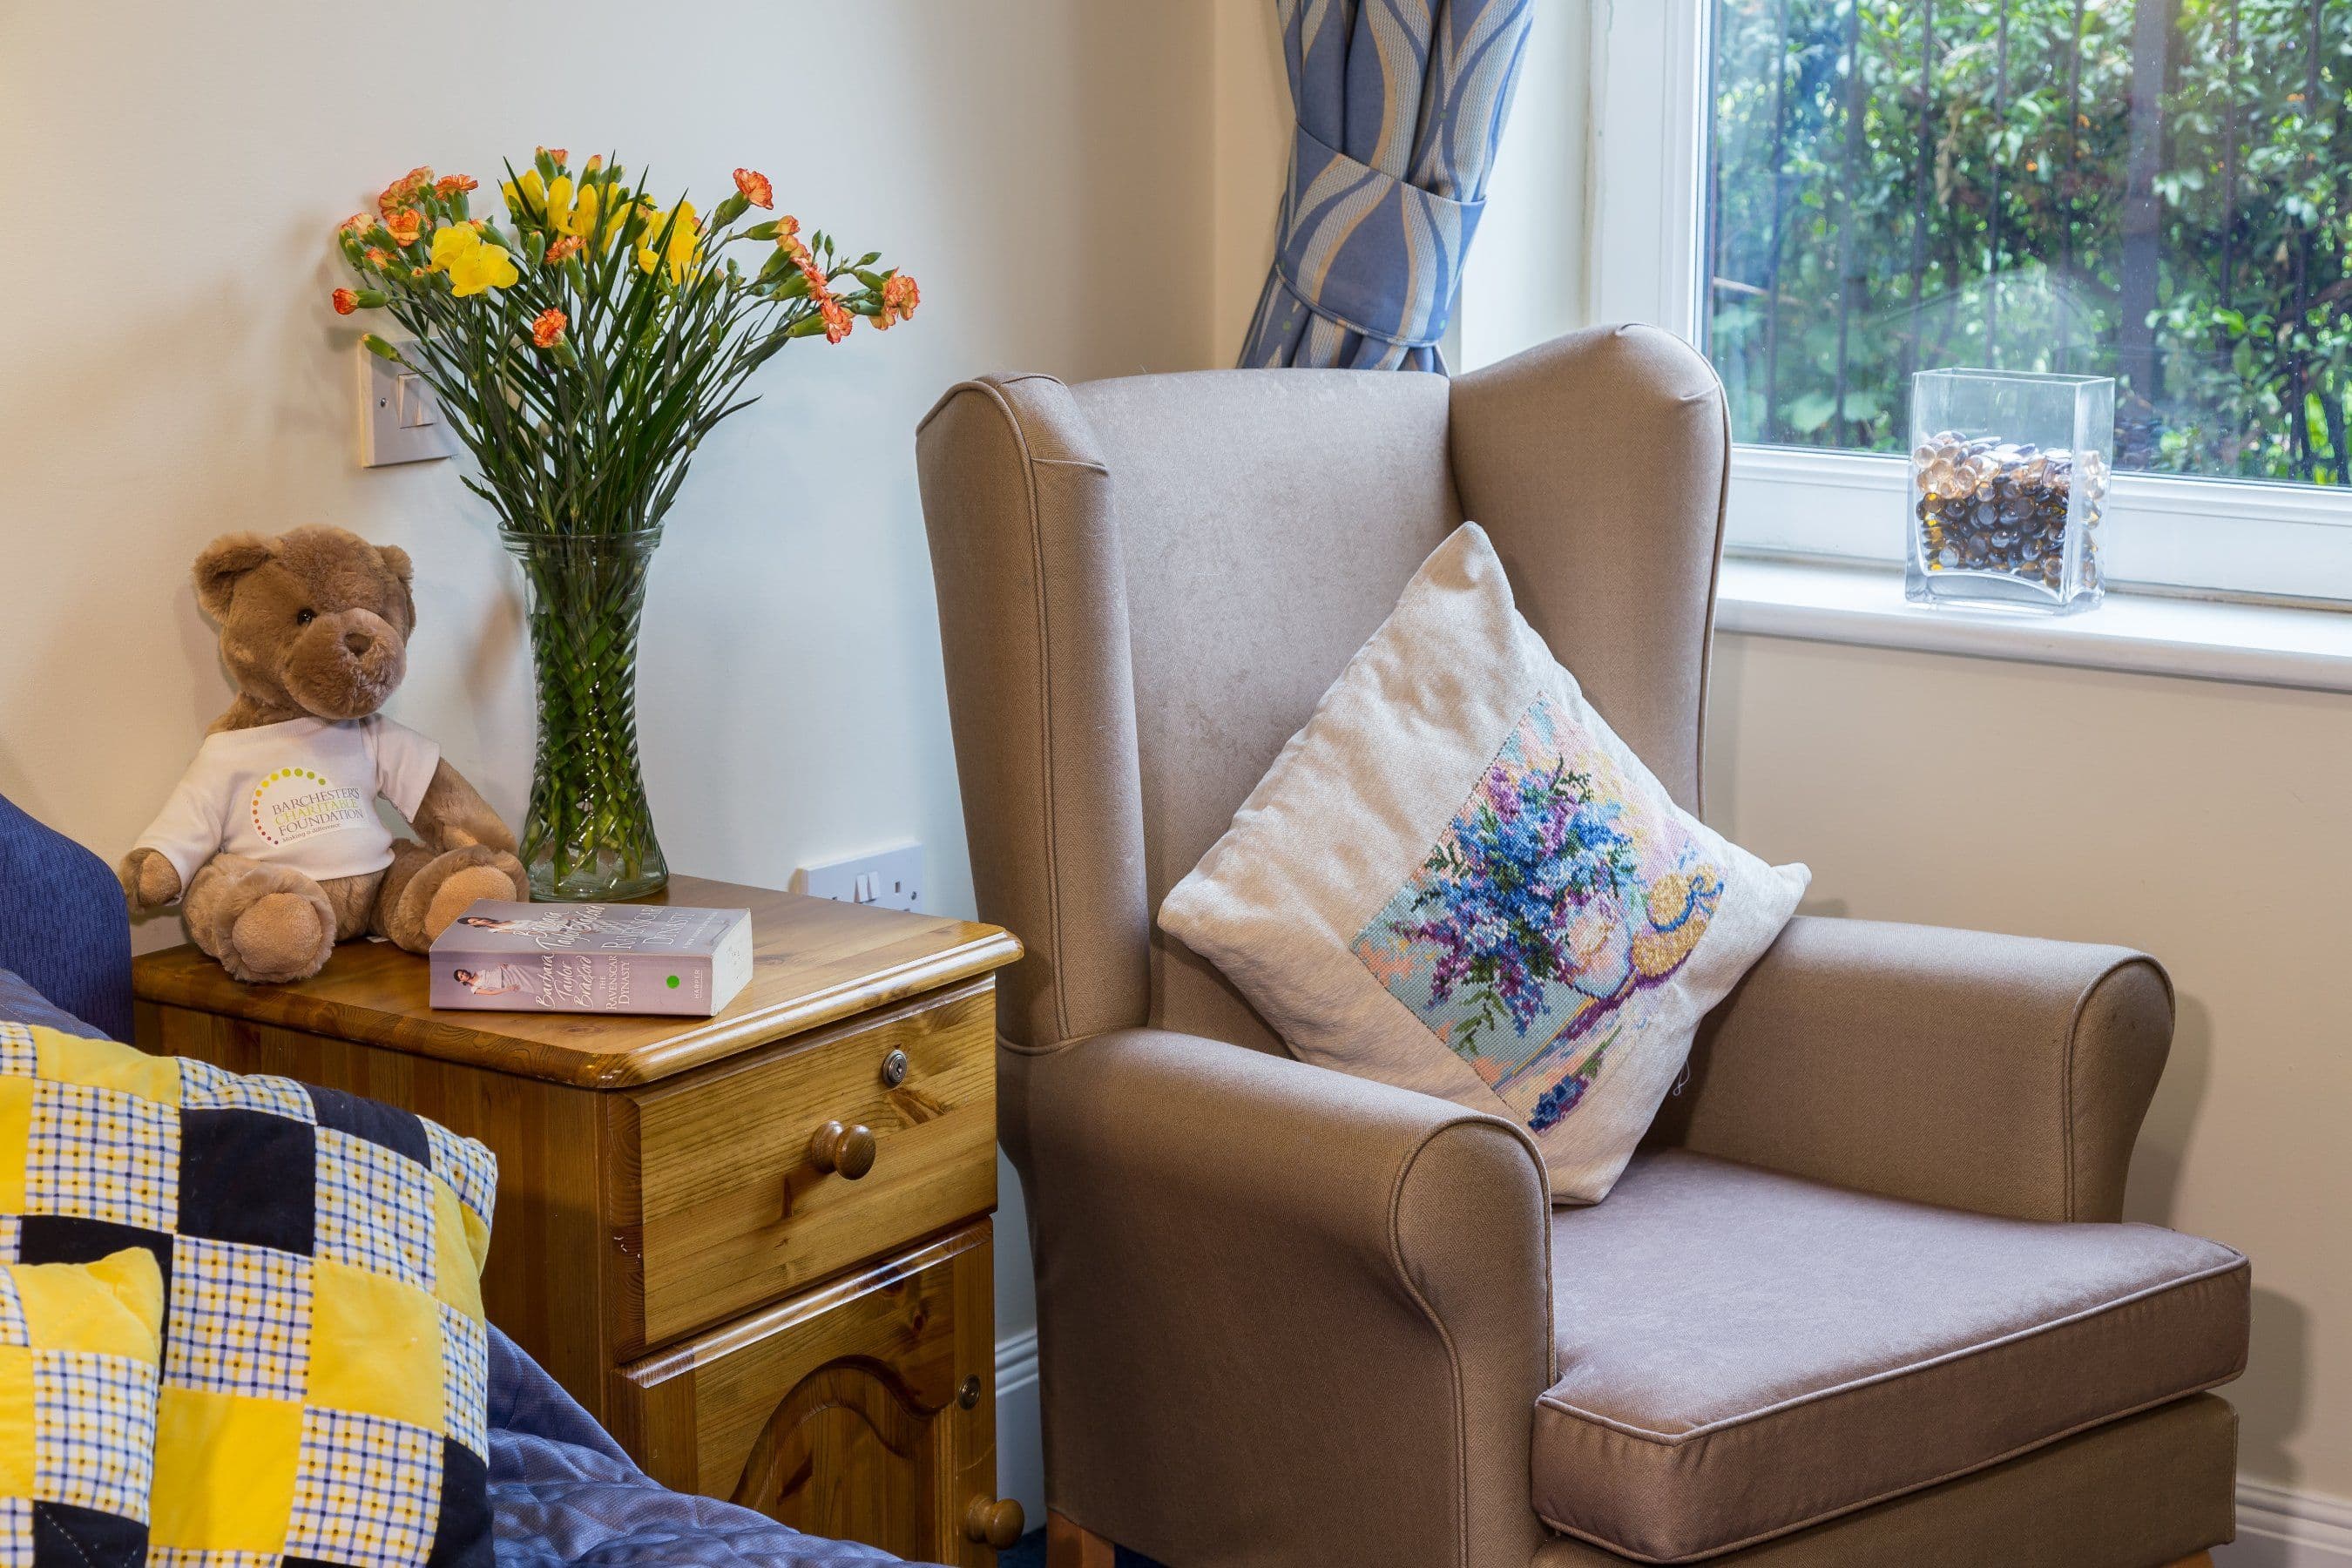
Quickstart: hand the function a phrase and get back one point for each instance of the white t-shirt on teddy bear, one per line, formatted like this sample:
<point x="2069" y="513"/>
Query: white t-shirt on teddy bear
<point x="299" y="793"/>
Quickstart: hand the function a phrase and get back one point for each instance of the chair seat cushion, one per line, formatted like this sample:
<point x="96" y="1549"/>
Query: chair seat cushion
<point x="1743" y="1353"/>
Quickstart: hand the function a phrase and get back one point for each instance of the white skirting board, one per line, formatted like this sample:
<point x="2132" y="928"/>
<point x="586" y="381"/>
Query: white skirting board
<point x="2280" y="1528"/>
<point x="2277" y="1527"/>
<point x="1020" y="1454"/>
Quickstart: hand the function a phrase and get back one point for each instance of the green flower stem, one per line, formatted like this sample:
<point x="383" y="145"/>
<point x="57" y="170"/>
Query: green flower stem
<point x="590" y="831"/>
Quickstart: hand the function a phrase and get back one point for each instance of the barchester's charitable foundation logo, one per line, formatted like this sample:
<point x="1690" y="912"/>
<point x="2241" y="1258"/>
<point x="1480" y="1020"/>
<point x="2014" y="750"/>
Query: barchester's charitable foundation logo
<point x="295" y="803"/>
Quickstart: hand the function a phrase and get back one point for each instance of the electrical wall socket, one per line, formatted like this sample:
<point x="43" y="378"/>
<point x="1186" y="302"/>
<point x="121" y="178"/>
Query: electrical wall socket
<point x="890" y="879"/>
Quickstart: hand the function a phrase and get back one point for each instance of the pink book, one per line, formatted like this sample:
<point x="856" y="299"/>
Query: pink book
<point x="591" y="958"/>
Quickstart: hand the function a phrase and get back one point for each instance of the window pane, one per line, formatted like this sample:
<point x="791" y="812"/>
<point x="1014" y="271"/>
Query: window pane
<point x="2156" y="191"/>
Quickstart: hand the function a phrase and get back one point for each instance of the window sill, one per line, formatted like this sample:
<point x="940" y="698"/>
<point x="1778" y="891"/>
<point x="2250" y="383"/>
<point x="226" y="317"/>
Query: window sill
<point x="2147" y="634"/>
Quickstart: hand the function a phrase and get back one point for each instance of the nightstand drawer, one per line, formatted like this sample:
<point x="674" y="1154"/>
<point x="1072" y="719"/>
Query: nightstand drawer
<point x="737" y="1206"/>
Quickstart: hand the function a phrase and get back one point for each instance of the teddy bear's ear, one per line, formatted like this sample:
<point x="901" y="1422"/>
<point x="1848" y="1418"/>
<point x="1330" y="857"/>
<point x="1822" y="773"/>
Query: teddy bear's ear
<point x="224" y="561"/>
<point x="397" y="562"/>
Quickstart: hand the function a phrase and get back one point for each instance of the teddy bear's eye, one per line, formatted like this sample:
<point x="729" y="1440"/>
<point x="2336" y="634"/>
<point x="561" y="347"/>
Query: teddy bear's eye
<point x="304" y="617"/>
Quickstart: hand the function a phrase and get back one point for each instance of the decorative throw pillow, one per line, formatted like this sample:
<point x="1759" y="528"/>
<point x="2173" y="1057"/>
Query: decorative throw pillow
<point x="79" y="1350"/>
<point x="325" y="1361"/>
<point x="1457" y="880"/>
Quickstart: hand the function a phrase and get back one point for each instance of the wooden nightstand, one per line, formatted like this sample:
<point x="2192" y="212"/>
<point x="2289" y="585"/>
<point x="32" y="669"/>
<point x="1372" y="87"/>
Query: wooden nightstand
<point x="756" y="1247"/>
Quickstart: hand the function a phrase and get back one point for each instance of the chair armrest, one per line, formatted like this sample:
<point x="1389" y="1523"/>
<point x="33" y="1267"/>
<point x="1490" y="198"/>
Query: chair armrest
<point x="1283" y="1314"/>
<point x="2002" y="1074"/>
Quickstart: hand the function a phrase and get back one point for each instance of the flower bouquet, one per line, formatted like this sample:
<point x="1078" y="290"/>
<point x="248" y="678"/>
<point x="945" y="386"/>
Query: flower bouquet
<point x="581" y="348"/>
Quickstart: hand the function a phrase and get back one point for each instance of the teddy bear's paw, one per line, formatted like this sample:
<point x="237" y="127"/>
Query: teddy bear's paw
<point x="445" y="887"/>
<point x="463" y="890"/>
<point x="149" y="879"/>
<point x="280" y="937"/>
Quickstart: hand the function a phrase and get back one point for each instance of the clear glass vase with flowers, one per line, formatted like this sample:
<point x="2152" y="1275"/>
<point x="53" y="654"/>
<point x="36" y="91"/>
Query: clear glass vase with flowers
<point x="581" y="346"/>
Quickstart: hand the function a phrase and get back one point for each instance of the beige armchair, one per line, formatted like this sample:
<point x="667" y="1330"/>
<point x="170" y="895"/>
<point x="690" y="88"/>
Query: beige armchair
<point x="1862" y="1299"/>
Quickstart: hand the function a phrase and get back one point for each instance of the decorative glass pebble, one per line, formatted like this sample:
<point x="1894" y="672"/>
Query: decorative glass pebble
<point x="2008" y="478"/>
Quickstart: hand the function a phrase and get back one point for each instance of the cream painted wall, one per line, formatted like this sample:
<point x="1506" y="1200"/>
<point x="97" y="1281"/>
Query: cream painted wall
<point x="169" y="369"/>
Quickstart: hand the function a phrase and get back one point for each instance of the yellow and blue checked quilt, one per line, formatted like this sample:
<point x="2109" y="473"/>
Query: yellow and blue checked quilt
<point x="78" y="1346"/>
<point x="325" y="1359"/>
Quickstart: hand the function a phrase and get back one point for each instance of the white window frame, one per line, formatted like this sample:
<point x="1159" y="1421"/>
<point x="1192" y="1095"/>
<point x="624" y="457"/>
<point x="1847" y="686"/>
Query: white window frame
<point x="1647" y="124"/>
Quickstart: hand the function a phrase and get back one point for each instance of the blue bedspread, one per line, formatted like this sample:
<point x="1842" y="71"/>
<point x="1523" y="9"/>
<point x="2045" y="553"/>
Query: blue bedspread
<point x="564" y="1496"/>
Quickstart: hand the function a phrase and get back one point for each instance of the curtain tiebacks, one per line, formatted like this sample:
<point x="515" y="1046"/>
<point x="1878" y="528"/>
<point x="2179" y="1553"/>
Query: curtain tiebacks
<point x="1372" y="252"/>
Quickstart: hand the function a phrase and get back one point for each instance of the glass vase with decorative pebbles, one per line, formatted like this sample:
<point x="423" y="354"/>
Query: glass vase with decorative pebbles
<point x="2009" y="480"/>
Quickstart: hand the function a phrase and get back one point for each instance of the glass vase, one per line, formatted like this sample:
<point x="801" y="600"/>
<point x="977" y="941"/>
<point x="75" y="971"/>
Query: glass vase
<point x="2009" y="480"/>
<point x="589" y="836"/>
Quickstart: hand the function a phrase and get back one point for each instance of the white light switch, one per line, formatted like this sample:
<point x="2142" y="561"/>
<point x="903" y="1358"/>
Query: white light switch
<point x="399" y="420"/>
<point x="414" y="401"/>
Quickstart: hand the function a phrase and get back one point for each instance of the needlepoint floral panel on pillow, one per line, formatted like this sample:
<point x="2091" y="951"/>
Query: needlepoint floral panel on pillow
<point x="325" y="1359"/>
<point x="1456" y="879"/>
<point x="1535" y="936"/>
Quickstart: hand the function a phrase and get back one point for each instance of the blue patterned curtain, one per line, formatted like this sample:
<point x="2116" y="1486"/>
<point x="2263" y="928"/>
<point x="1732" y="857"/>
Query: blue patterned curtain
<point x="1401" y="103"/>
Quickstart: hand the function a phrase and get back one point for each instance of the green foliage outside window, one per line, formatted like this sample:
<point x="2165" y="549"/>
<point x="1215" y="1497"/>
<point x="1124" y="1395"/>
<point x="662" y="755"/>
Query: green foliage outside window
<point x="2155" y="190"/>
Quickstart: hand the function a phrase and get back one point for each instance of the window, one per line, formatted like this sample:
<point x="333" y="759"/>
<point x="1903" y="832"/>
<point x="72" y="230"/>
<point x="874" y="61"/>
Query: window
<point x="1831" y="194"/>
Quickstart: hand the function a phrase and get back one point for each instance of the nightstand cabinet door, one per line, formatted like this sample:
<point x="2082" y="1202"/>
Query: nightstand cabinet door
<point x="863" y="1410"/>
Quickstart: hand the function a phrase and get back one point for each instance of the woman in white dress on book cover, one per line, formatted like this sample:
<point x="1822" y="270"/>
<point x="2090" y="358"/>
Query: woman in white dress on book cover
<point x="506" y="980"/>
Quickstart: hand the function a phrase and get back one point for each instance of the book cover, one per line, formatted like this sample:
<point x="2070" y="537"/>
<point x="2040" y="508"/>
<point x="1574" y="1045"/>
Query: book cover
<point x="591" y="958"/>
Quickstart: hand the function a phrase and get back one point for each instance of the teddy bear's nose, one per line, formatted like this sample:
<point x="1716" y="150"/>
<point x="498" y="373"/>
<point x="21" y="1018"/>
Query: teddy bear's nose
<point x="358" y="642"/>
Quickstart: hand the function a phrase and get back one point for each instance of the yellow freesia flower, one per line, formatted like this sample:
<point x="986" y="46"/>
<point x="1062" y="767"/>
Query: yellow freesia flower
<point x="564" y="209"/>
<point x="527" y="199"/>
<point x="472" y="265"/>
<point x="576" y="218"/>
<point x="684" y="248"/>
<point x="586" y="218"/>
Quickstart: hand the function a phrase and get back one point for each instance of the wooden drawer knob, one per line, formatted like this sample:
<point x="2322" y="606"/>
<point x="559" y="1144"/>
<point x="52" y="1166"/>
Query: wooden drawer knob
<point x="848" y="1150"/>
<point x="994" y="1523"/>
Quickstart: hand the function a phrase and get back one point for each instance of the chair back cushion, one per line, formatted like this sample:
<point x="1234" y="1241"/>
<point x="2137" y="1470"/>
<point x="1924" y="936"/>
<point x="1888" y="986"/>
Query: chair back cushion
<point x="1267" y="519"/>
<point x="1145" y="585"/>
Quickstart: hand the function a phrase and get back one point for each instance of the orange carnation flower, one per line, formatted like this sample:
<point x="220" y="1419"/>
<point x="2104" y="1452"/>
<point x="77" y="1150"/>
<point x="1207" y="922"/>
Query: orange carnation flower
<point x="559" y="155"/>
<point x="570" y="245"/>
<point x="403" y="190"/>
<point x="819" y="286"/>
<point x="405" y="225"/>
<point x="346" y="302"/>
<point x="899" y="298"/>
<point x="357" y="223"/>
<point x="377" y="256"/>
<point x="547" y="327"/>
<point x="837" y="318"/>
<point x="755" y="187"/>
<point x="452" y="185"/>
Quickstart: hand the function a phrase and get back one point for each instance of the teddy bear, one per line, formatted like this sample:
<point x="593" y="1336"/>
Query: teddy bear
<point x="271" y="843"/>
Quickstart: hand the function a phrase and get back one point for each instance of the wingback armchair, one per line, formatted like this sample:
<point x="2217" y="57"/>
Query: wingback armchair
<point x="1862" y="1298"/>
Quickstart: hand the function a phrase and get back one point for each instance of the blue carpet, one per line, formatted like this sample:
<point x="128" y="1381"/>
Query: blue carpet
<point x="1030" y="1553"/>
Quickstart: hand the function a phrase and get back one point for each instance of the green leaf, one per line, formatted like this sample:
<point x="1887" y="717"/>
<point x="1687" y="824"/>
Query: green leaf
<point x="1810" y="411"/>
